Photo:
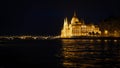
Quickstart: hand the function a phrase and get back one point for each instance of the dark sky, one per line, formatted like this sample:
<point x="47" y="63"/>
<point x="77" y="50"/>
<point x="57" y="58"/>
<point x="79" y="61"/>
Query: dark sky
<point x="37" y="17"/>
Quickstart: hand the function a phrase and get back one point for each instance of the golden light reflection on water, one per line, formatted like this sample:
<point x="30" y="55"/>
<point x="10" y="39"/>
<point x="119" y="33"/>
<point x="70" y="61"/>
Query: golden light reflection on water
<point x="78" y="53"/>
<point x="115" y="40"/>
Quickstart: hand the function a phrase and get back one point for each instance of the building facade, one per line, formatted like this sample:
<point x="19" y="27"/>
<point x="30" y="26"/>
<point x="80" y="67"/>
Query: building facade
<point x="77" y="28"/>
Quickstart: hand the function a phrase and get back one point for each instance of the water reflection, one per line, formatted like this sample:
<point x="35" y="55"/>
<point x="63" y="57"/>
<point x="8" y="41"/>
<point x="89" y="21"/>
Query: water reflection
<point x="84" y="53"/>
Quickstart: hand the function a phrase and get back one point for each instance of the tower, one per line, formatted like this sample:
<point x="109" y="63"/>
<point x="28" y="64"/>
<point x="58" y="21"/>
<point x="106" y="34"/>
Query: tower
<point x="77" y="28"/>
<point x="65" y="22"/>
<point x="74" y="19"/>
<point x="74" y="14"/>
<point x="65" y="30"/>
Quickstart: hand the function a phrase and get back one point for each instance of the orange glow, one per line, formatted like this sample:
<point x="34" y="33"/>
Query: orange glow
<point x="106" y="32"/>
<point x="78" y="28"/>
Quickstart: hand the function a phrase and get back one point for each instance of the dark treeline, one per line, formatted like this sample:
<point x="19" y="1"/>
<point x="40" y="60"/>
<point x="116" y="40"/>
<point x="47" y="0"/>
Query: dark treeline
<point x="112" y="24"/>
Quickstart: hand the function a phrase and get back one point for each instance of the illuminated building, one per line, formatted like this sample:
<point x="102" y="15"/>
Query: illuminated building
<point x="77" y="28"/>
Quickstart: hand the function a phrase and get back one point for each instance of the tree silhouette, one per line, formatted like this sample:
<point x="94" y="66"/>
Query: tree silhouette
<point x="111" y="24"/>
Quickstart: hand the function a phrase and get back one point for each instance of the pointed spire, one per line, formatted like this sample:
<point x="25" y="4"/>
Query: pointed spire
<point x="74" y="14"/>
<point x="66" y="20"/>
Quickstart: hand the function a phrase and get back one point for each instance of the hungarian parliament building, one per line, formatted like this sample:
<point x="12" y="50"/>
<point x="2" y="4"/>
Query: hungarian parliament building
<point x="78" y="28"/>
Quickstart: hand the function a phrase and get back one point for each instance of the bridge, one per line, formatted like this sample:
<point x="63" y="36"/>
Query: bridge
<point x="24" y="37"/>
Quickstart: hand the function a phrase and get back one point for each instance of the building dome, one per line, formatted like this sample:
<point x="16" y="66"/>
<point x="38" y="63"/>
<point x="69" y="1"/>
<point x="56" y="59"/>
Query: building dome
<point x="74" y="20"/>
<point x="78" y="28"/>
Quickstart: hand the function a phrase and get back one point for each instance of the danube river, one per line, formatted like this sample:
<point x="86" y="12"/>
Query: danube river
<point x="60" y="53"/>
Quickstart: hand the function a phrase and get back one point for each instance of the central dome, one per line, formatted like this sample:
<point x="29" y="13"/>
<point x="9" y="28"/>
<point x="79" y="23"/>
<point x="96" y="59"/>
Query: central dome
<point x="74" y="20"/>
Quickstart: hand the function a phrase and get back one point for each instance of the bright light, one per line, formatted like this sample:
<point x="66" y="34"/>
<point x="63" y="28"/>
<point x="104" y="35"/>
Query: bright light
<point x="74" y="28"/>
<point x="106" y="32"/>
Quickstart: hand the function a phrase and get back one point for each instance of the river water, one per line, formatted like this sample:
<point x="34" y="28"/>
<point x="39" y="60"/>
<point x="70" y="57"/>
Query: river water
<point x="60" y="53"/>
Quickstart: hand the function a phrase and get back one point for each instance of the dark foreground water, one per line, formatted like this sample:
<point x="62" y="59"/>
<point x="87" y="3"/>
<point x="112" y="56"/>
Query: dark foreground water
<point x="64" y="53"/>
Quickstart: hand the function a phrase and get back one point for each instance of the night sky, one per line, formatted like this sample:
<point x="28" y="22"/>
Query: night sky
<point x="37" y="17"/>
